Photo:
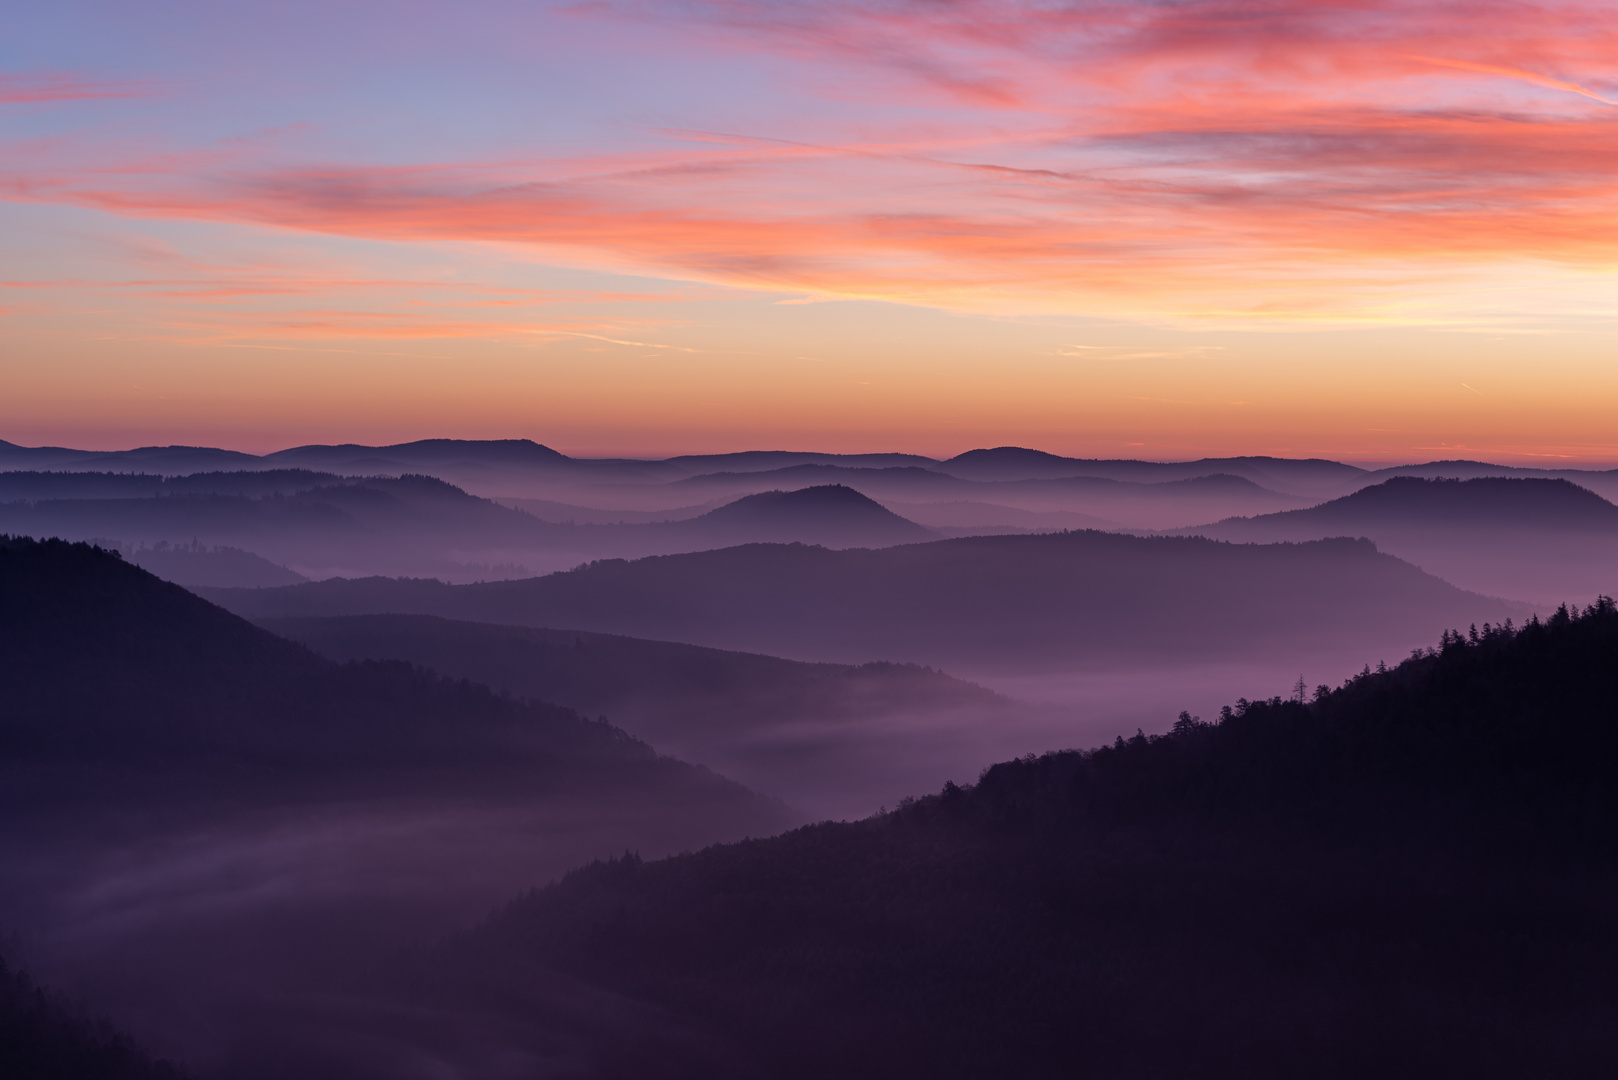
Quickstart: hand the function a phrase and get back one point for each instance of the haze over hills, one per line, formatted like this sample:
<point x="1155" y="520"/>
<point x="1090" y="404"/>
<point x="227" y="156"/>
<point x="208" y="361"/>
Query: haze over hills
<point x="305" y="524"/>
<point x="1543" y="540"/>
<point x="207" y="824"/>
<point x="1410" y="876"/>
<point x="1009" y="603"/>
<point x="1139" y="495"/>
<point x="833" y="740"/>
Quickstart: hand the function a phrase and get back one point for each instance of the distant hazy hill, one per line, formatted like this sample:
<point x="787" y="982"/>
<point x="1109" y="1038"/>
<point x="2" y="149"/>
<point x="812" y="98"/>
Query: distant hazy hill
<point x="256" y="483"/>
<point x="1536" y="539"/>
<point x="311" y="521"/>
<point x="823" y="737"/>
<point x="222" y="567"/>
<point x="1172" y="498"/>
<point x="1483" y="503"/>
<point x="1411" y="876"/>
<point x="102" y="663"/>
<point x="1293" y="475"/>
<point x="754" y="460"/>
<point x="321" y="524"/>
<point x="831" y="515"/>
<point x="670" y="688"/>
<point x="1010" y="602"/>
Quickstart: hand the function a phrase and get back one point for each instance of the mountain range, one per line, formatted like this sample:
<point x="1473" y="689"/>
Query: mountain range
<point x="1545" y="540"/>
<point x="1041" y="602"/>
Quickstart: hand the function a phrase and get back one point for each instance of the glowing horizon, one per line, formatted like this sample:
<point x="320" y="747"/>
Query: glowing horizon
<point x="1372" y="231"/>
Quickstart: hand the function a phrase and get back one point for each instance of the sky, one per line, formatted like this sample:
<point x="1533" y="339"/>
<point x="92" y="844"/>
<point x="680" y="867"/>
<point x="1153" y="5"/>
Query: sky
<point x="1383" y="230"/>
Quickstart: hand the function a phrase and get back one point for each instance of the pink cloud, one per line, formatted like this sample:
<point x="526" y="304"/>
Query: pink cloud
<point x="1072" y="155"/>
<point x="37" y="87"/>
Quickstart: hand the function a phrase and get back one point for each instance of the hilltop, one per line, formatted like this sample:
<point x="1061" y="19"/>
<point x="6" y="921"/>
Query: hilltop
<point x="1532" y="538"/>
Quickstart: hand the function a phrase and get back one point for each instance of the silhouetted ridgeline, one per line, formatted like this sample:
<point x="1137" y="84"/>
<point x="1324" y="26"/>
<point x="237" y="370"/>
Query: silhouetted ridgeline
<point x="1025" y="602"/>
<point x="830" y="514"/>
<point x="672" y="688"/>
<point x="1412" y="875"/>
<point x="103" y="664"/>
<point x="1488" y="503"/>
<point x="44" y="1038"/>
<point x="1538" y="539"/>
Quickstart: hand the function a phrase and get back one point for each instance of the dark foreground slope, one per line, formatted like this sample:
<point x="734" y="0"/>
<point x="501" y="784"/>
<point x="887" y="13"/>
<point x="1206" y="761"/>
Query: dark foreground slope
<point x="1413" y="875"/>
<point x="43" y="1037"/>
<point x="1004" y="602"/>
<point x="1539" y="539"/>
<point x="101" y="663"/>
<point x="209" y="828"/>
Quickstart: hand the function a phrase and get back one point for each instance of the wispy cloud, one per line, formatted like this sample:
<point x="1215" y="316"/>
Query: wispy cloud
<point x="1269" y="159"/>
<point x="36" y="87"/>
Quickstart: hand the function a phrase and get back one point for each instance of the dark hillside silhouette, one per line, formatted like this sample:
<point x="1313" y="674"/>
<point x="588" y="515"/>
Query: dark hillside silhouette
<point x="1488" y="502"/>
<point x="1412" y="875"/>
<point x="1537" y="539"/>
<point x="209" y="827"/>
<point x="103" y="664"/>
<point x="1056" y="601"/>
<point x="1603" y="481"/>
<point x="830" y="739"/>
<point x="831" y="514"/>
<point x="43" y="1037"/>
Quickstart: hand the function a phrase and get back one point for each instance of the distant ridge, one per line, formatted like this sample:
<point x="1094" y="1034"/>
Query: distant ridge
<point x="1032" y="602"/>
<point x="831" y="514"/>
<point x="1498" y="502"/>
<point x="1531" y="538"/>
<point x="429" y="452"/>
<point x="1292" y="475"/>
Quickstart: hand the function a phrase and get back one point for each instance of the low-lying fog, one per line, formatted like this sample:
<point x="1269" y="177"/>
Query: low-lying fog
<point x="243" y="946"/>
<point x="850" y="768"/>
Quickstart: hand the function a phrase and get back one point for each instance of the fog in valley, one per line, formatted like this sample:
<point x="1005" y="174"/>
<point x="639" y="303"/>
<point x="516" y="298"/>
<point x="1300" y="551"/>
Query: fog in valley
<point x="294" y="722"/>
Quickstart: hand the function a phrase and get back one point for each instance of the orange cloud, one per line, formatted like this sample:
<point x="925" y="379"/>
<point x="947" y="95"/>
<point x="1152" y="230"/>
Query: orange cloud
<point x="1257" y="156"/>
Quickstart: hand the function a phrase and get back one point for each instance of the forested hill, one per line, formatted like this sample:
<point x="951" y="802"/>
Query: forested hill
<point x="1030" y="602"/>
<point x="104" y="665"/>
<point x="44" y="1037"/>
<point x="1412" y="875"/>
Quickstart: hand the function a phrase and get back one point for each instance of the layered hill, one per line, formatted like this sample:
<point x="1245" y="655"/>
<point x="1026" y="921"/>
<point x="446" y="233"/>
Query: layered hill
<point x="1043" y="602"/>
<point x="1157" y="503"/>
<point x="1412" y="875"/>
<point x="102" y="664"/>
<point x="830" y="515"/>
<point x="1534" y="538"/>
<point x="208" y="824"/>
<point x="320" y="525"/>
<point x="834" y="740"/>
